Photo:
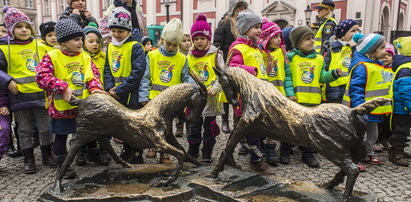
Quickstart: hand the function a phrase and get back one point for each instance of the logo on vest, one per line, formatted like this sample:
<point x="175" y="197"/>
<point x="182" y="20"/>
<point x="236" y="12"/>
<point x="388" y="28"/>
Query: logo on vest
<point x="30" y="57"/>
<point x="76" y="71"/>
<point x="307" y="75"/>
<point x="274" y="71"/>
<point x="386" y="76"/>
<point x="166" y="73"/>
<point x="201" y="68"/>
<point x="115" y="66"/>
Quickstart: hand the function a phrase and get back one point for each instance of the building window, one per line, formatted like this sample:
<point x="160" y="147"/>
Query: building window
<point x="29" y="3"/>
<point x="6" y="2"/>
<point x="358" y="15"/>
<point x="46" y="8"/>
<point x="62" y="4"/>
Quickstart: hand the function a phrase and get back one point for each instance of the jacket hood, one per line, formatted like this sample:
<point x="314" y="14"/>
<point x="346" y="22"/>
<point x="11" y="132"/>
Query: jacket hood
<point x="358" y="57"/>
<point x="399" y="60"/>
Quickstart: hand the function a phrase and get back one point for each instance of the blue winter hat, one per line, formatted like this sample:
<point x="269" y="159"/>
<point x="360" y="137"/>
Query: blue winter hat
<point x="344" y="27"/>
<point x="286" y="35"/>
<point x="369" y="43"/>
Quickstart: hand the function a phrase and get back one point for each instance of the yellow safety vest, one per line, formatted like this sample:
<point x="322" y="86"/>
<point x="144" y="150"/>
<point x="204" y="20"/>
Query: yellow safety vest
<point x="99" y="60"/>
<point x="306" y="74"/>
<point x="203" y="67"/>
<point x="318" y="39"/>
<point x="337" y="61"/>
<point x="76" y="71"/>
<point x="119" y="59"/>
<point x="22" y="61"/>
<point x="378" y="84"/>
<point x="165" y="71"/>
<point x="277" y="74"/>
<point x="254" y="58"/>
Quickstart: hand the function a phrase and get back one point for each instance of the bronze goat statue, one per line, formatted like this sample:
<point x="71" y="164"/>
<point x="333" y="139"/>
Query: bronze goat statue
<point x="101" y="116"/>
<point x="334" y="130"/>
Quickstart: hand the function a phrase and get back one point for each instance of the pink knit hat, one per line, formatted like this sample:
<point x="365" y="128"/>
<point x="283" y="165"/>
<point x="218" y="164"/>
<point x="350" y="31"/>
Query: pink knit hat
<point x="268" y="31"/>
<point x="390" y="49"/>
<point x="201" y="27"/>
<point x="13" y="16"/>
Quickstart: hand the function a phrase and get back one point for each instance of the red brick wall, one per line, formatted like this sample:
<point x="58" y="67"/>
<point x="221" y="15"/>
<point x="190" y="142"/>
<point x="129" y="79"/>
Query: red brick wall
<point x="195" y="4"/>
<point x="158" y="4"/>
<point x="160" y="19"/>
<point x="209" y="15"/>
<point x="145" y="6"/>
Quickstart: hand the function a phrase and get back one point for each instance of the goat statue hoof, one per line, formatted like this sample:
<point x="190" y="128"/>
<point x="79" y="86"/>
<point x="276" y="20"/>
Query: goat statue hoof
<point x="57" y="187"/>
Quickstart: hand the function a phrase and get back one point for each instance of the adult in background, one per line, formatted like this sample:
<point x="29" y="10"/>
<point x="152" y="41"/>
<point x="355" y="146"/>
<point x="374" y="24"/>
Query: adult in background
<point x="77" y="12"/>
<point x="224" y="36"/>
<point x="327" y="26"/>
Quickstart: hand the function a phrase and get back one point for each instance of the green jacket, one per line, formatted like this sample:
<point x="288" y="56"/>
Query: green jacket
<point x="325" y="77"/>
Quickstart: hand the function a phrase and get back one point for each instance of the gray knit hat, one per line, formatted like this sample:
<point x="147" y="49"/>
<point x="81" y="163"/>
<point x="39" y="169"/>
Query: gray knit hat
<point x="299" y="33"/>
<point x="245" y="20"/>
<point x="67" y="29"/>
<point x="120" y="18"/>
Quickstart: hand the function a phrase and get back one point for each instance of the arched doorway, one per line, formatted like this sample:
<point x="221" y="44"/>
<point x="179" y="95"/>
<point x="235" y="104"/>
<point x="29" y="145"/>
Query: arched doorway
<point x="385" y="21"/>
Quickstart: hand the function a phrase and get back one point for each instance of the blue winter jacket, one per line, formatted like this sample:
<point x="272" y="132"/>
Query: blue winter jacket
<point x="358" y="81"/>
<point x="402" y="85"/>
<point x="145" y="85"/>
<point x="333" y="94"/>
<point x="21" y="100"/>
<point x="132" y="82"/>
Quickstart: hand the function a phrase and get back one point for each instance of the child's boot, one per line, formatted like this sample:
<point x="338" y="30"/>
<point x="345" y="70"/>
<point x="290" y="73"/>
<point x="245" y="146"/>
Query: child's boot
<point x="179" y="129"/>
<point x="81" y="156"/>
<point x="193" y="149"/>
<point x="206" y="152"/>
<point x="29" y="162"/>
<point x="270" y="154"/>
<point x="397" y="156"/>
<point x="47" y="157"/>
<point x="151" y="154"/>
<point x="165" y="158"/>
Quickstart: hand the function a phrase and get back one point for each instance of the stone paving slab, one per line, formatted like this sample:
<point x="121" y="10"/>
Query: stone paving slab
<point x="388" y="181"/>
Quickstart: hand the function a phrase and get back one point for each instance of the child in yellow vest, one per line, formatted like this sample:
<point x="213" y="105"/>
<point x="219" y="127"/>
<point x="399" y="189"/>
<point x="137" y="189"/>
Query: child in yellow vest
<point x="339" y="56"/>
<point x="124" y="69"/>
<point x="369" y="79"/>
<point x="201" y="60"/>
<point x="92" y="45"/>
<point x="19" y="57"/>
<point x="48" y="35"/>
<point x="326" y="27"/>
<point x="274" y="54"/>
<point x="61" y="83"/>
<point x="245" y="54"/>
<point x="166" y="67"/>
<point x="307" y="73"/>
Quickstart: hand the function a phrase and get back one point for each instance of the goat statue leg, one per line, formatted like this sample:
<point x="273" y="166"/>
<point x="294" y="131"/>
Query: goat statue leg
<point x="107" y="146"/>
<point x="352" y="171"/>
<point x="79" y="141"/>
<point x="236" y="135"/>
<point x="179" y="155"/>
<point x="338" y="178"/>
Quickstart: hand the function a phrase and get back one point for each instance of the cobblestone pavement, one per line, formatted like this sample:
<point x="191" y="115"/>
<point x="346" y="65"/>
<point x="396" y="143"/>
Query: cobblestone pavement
<point x="388" y="181"/>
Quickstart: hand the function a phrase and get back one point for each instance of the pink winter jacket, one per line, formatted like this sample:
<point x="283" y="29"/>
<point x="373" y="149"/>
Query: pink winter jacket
<point x="47" y="81"/>
<point x="236" y="58"/>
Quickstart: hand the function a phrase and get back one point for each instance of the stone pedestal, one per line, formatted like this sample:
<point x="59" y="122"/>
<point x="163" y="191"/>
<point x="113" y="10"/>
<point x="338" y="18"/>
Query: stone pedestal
<point x="117" y="184"/>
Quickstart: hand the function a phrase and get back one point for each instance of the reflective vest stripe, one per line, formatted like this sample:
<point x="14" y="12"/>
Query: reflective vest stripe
<point x="345" y="102"/>
<point x="119" y="80"/>
<point x="318" y="39"/>
<point x="277" y="83"/>
<point x="25" y="80"/>
<point x="377" y="93"/>
<point x="157" y="87"/>
<point x="77" y="93"/>
<point x="307" y="89"/>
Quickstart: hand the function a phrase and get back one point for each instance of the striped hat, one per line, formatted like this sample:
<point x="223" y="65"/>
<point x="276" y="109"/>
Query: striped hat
<point x="367" y="44"/>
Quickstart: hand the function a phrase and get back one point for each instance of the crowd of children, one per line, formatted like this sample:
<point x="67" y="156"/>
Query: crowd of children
<point x="40" y="77"/>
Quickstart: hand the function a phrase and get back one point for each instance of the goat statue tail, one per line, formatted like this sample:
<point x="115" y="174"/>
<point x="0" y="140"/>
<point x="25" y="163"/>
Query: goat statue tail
<point x="369" y="106"/>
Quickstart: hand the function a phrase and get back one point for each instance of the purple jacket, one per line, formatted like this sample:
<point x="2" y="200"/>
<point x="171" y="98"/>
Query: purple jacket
<point x="4" y="98"/>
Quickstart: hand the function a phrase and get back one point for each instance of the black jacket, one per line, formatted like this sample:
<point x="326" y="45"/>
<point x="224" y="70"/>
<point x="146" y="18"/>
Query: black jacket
<point x="79" y="19"/>
<point x="223" y="37"/>
<point x="131" y="9"/>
